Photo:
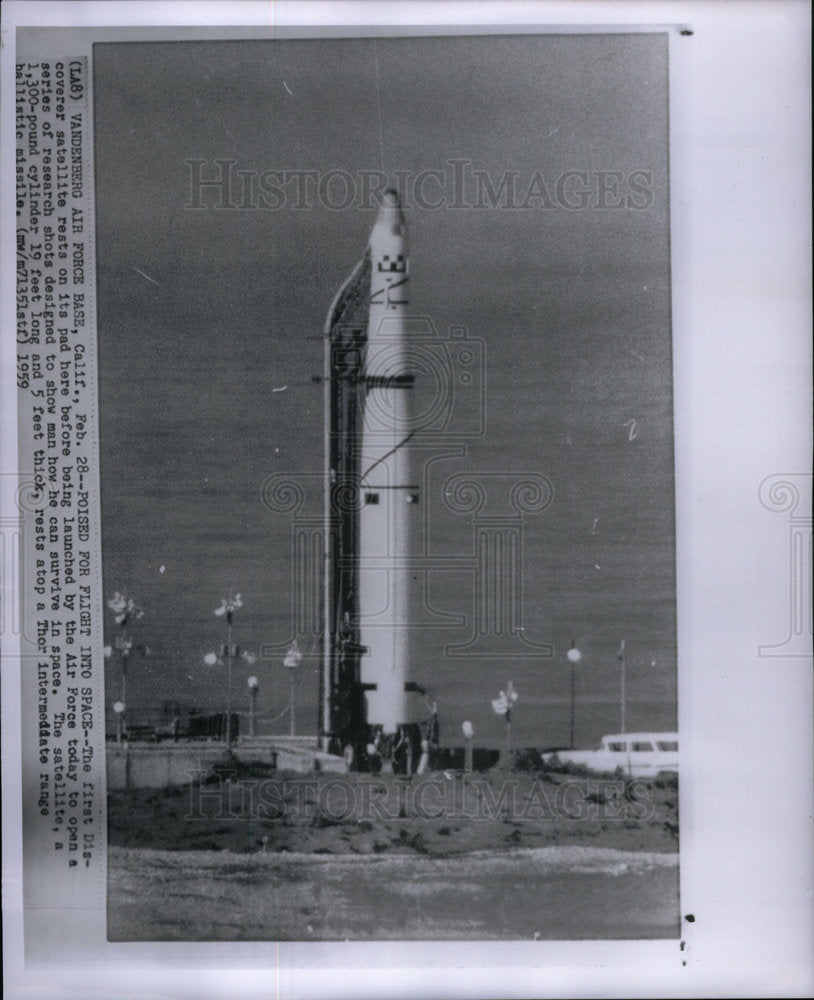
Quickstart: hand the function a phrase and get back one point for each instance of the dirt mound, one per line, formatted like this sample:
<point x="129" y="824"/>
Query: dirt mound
<point x="442" y="814"/>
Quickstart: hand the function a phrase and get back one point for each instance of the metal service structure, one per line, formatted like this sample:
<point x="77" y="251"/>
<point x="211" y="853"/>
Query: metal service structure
<point x="372" y="508"/>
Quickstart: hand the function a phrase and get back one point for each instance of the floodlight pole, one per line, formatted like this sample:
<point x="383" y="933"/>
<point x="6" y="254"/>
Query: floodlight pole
<point x="574" y="656"/>
<point x="622" y="658"/>
<point x="229" y="650"/>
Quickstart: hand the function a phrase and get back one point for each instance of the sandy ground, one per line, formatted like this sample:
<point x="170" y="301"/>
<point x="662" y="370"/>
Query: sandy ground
<point x="542" y="893"/>
<point x="269" y="856"/>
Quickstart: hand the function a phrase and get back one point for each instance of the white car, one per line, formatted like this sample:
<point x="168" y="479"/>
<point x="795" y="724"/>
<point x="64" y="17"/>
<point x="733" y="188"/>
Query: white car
<point x="638" y="754"/>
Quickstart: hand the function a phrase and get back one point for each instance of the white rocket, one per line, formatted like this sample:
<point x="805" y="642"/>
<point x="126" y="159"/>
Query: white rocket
<point x="390" y="515"/>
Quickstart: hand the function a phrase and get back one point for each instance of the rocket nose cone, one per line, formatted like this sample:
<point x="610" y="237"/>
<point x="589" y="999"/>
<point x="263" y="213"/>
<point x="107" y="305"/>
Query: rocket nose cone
<point x="390" y="214"/>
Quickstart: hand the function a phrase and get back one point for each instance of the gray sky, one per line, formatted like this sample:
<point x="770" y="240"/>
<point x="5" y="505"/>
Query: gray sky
<point x="570" y="309"/>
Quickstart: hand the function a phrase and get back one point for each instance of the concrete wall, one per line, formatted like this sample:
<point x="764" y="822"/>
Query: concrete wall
<point x="160" y="766"/>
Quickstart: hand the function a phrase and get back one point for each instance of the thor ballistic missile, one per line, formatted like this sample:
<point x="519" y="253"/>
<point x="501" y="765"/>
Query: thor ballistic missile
<point x="389" y="519"/>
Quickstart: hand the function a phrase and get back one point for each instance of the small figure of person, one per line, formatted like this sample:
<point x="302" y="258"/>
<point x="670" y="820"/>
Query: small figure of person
<point x="403" y="752"/>
<point x="374" y="758"/>
<point x="424" y="759"/>
<point x="433" y="730"/>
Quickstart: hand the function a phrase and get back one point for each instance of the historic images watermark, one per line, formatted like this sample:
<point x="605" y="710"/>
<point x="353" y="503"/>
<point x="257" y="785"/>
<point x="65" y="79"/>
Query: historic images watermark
<point x="493" y="624"/>
<point x="225" y="184"/>
<point x="446" y="796"/>
<point x="452" y="369"/>
<point x="790" y="494"/>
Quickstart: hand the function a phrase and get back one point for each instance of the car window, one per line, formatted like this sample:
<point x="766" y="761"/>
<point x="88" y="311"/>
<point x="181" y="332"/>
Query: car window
<point x="641" y="746"/>
<point x="617" y="747"/>
<point x="668" y="745"/>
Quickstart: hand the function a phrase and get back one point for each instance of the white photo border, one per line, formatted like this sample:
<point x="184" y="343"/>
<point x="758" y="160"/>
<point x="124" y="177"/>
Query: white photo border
<point x="740" y="205"/>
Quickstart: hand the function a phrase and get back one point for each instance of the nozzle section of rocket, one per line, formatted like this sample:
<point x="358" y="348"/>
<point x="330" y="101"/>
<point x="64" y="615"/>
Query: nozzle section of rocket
<point x="390" y="500"/>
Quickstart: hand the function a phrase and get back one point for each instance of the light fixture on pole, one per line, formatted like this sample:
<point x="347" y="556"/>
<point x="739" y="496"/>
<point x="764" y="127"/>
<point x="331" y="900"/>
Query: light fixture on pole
<point x="122" y="644"/>
<point x="126" y="612"/>
<point x="622" y="693"/>
<point x="292" y="660"/>
<point x="503" y="706"/>
<point x="230" y="651"/>
<point x="574" y="657"/>
<point x="469" y="732"/>
<point x="253" y="686"/>
<point x="213" y="659"/>
<point x="118" y="708"/>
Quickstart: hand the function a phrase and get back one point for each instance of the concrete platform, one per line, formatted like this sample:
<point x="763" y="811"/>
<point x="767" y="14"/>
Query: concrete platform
<point x="288" y="753"/>
<point x="161" y="765"/>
